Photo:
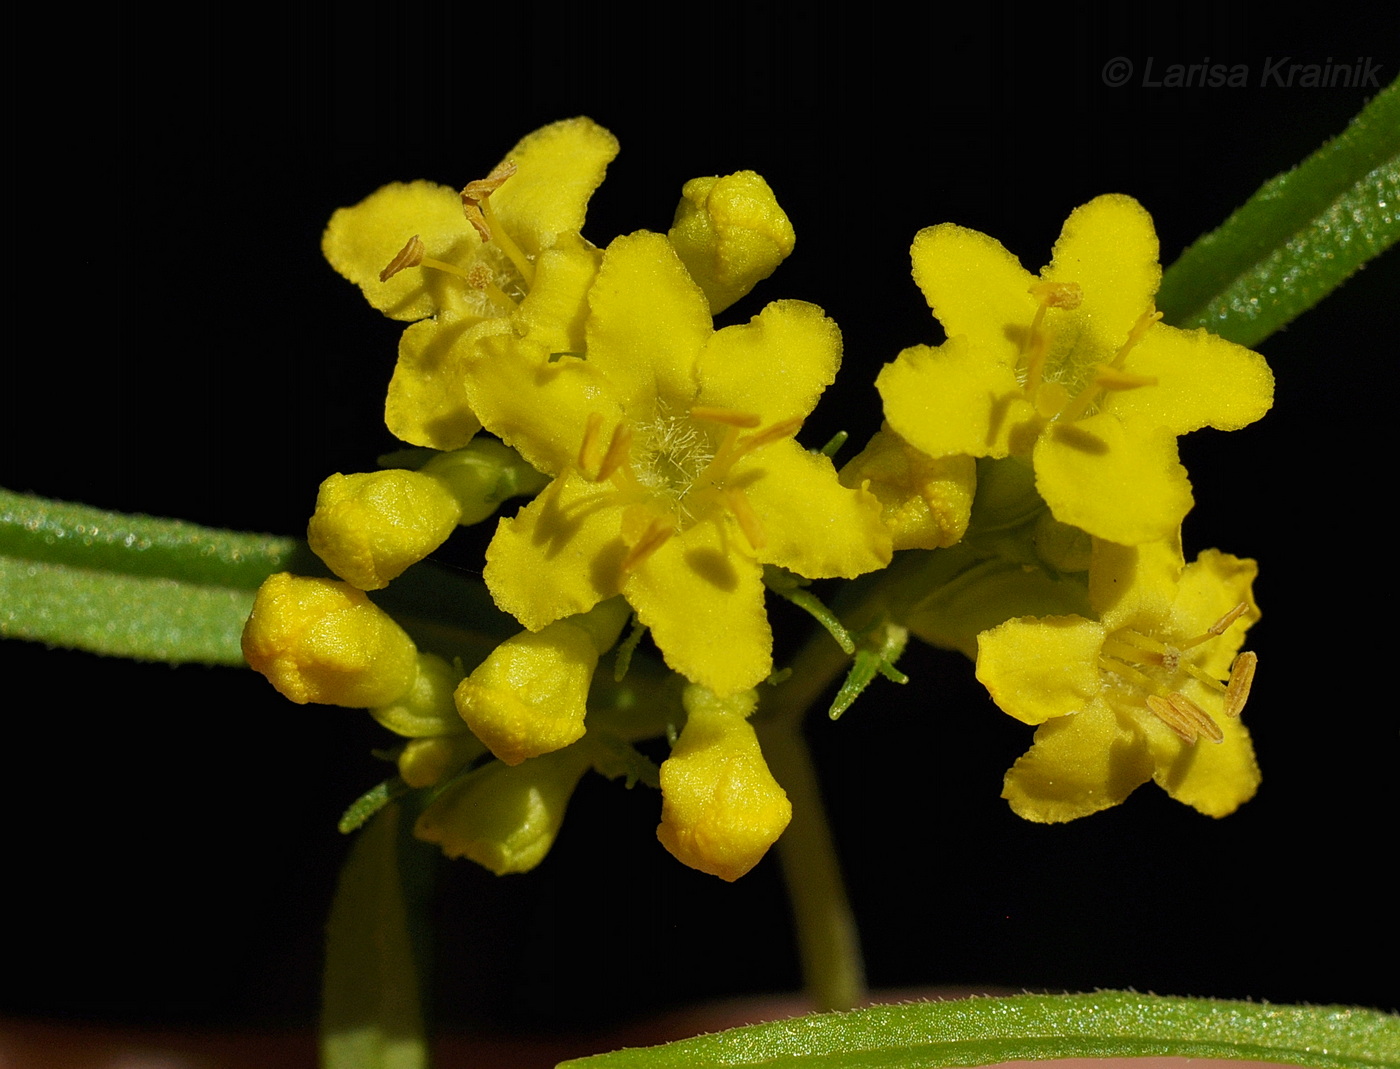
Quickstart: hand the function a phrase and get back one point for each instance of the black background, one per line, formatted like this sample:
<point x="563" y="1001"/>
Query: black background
<point x="179" y="348"/>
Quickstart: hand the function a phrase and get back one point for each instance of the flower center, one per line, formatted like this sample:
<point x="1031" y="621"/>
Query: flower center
<point x="498" y="274"/>
<point x="673" y="470"/>
<point x="1059" y="374"/>
<point x="1155" y="673"/>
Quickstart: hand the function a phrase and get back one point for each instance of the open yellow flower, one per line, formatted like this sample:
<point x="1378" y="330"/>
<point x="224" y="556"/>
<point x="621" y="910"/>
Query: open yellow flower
<point x="1151" y="690"/>
<point x="458" y="265"/>
<point x="676" y="473"/>
<point x="1072" y="369"/>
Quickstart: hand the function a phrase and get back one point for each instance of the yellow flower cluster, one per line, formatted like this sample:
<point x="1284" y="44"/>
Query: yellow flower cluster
<point x="666" y="475"/>
<point x="1028" y="466"/>
<point x="1072" y="374"/>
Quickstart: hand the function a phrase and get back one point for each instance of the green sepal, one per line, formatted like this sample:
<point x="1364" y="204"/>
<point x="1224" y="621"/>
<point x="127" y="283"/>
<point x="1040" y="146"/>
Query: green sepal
<point x="371" y="802"/>
<point x="1298" y="238"/>
<point x="794" y="589"/>
<point x="880" y="647"/>
<point x="983" y="1031"/>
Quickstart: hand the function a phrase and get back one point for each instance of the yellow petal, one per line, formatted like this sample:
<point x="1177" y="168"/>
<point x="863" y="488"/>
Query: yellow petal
<point x="1202" y="381"/>
<point x="1125" y="487"/>
<point x="975" y="287"/>
<point x="560" y="555"/>
<point x="539" y="403"/>
<point x="956" y="400"/>
<point x="558" y="168"/>
<point x="812" y="525"/>
<point x="648" y="324"/>
<point x="555" y="310"/>
<point x="1039" y="669"/>
<point x="427" y="402"/>
<point x="775" y="366"/>
<point x="703" y="600"/>
<point x="1078" y="765"/>
<point x="360" y="242"/>
<point x="1108" y="247"/>
<point x="1215" y="778"/>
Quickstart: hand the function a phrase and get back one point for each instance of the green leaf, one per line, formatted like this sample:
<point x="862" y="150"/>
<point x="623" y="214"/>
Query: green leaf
<point x="1298" y="238"/>
<point x="131" y="586"/>
<point x="983" y="1031"/>
<point x="371" y="1016"/>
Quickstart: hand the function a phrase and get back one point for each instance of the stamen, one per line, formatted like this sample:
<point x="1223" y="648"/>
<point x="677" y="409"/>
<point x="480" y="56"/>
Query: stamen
<point x="775" y="433"/>
<point x="1166" y="712"/>
<point x="1218" y="628"/>
<point x="1145" y="322"/>
<point x="749" y="522"/>
<point x="1241" y="679"/>
<point x="475" y="194"/>
<point x="657" y="534"/>
<point x="618" y="449"/>
<point x="1184" y="717"/>
<point x="588" y="458"/>
<point x="729" y="416"/>
<point x="476" y="204"/>
<point x="1106" y="377"/>
<point x="411" y="255"/>
<point x="1067" y="295"/>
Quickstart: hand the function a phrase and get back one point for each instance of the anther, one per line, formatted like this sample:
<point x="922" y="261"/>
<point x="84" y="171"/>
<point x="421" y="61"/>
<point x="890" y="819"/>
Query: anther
<point x="1218" y="628"/>
<point x="1187" y="719"/>
<point x="1145" y="322"/>
<point x="588" y="458"/>
<point x="618" y="448"/>
<point x="474" y="196"/>
<point x="1241" y="679"/>
<point x="1058" y="294"/>
<point x="411" y="255"/>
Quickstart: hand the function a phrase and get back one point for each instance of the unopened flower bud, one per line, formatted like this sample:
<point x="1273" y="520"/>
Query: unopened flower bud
<point x="730" y="234"/>
<point x="426" y="708"/>
<point x="721" y="807"/>
<point x="318" y="640"/>
<point x="370" y="526"/>
<point x="530" y="695"/>
<point x="505" y="817"/>
<point x="926" y="502"/>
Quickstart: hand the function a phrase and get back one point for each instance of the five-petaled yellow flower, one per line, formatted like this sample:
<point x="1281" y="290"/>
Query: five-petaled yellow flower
<point x="1072" y="369"/>
<point x="1153" y="689"/>
<point x="676" y="476"/>
<point x="460" y="265"/>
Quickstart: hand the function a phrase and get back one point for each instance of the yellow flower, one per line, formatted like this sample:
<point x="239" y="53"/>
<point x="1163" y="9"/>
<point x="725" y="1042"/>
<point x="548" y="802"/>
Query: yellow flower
<point x="1151" y="690"/>
<point x="464" y="263"/>
<point x="676" y="474"/>
<point x="1071" y="368"/>
<point x="721" y="807"/>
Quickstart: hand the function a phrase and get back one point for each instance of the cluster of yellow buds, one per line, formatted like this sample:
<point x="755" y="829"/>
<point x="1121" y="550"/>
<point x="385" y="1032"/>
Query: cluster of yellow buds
<point x="1027" y="472"/>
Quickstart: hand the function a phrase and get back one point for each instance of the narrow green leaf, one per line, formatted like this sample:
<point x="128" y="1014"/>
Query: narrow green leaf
<point x="130" y="586"/>
<point x="983" y="1031"/>
<point x="1298" y="238"/>
<point x="371" y="1017"/>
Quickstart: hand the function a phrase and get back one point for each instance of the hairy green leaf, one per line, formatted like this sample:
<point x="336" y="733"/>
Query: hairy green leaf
<point x="131" y="586"/>
<point x="1298" y="238"/>
<point x="982" y="1031"/>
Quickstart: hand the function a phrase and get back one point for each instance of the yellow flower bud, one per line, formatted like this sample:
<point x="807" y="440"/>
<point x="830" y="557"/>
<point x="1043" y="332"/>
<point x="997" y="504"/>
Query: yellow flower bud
<point x="530" y="696"/>
<point x="318" y="640"/>
<point x="428" y="761"/>
<point x="730" y="234"/>
<point x="426" y="708"/>
<point x="369" y="527"/>
<point x="505" y="817"/>
<point x="926" y="502"/>
<point x="721" y="808"/>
